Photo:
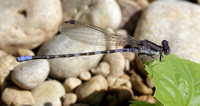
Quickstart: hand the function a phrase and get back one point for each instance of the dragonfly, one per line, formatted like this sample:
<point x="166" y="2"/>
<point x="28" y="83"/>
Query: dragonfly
<point x="98" y="36"/>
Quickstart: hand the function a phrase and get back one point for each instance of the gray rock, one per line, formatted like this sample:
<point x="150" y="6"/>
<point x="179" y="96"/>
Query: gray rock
<point x="92" y="92"/>
<point x="27" y="24"/>
<point x="179" y="24"/>
<point x="48" y="93"/>
<point x="30" y="74"/>
<point x="69" y="67"/>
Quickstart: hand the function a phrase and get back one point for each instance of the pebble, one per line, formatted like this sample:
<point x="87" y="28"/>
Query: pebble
<point x="7" y="64"/>
<point x="69" y="99"/>
<point x="117" y="63"/>
<point x="2" y="53"/>
<point x="85" y="76"/>
<point x="129" y="56"/>
<point x="138" y="85"/>
<point x="139" y="64"/>
<point x="27" y="24"/>
<point x="117" y="96"/>
<point x="149" y="82"/>
<point x="122" y="82"/>
<point x="111" y="80"/>
<point x="48" y="93"/>
<point x="178" y="24"/>
<point x="125" y="76"/>
<point x="71" y="83"/>
<point x="30" y="74"/>
<point x="103" y="69"/>
<point x="92" y="92"/>
<point x="130" y="14"/>
<point x="63" y="68"/>
<point x="143" y="3"/>
<point x="127" y="65"/>
<point x="16" y="97"/>
<point x="101" y="13"/>
<point x="25" y="52"/>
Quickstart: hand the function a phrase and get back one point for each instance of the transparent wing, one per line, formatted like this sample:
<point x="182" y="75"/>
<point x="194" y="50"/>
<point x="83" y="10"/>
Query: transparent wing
<point x="94" y="35"/>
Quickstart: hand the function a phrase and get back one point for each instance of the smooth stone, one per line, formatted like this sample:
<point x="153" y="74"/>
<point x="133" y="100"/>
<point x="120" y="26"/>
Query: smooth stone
<point x="30" y="74"/>
<point x="139" y="64"/>
<point x="138" y="85"/>
<point x="125" y="76"/>
<point x="178" y="24"/>
<point x="143" y="3"/>
<point x="85" y="76"/>
<point x="71" y="83"/>
<point x="119" y="96"/>
<point x="2" y="53"/>
<point x="16" y="97"/>
<point x="7" y="64"/>
<point x="122" y="82"/>
<point x="149" y="82"/>
<point x="101" y="13"/>
<point x="117" y="63"/>
<point x="69" y="67"/>
<point x="129" y="56"/>
<point x="127" y="65"/>
<point x="130" y="14"/>
<point x="103" y="69"/>
<point x="27" y="24"/>
<point x="48" y="93"/>
<point x="69" y="99"/>
<point x="25" y="52"/>
<point x="92" y="92"/>
<point x="111" y="80"/>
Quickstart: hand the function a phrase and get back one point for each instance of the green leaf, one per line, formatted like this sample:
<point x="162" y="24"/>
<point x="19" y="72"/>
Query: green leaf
<point x="177" y="81"/>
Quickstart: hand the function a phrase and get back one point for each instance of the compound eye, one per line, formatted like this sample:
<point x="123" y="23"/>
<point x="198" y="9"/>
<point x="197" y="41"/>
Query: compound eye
<point x="167" y="52"/>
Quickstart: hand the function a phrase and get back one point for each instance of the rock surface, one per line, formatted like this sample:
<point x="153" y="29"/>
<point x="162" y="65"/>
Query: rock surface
<point x="117" y="96"/>
<point x="92" y="92"/>
<point x="30" y="74"/>
<point x="69" y="67"/>
<point x="48" y="93"/>
<point x="85" y="76"/>
<point x="71" y="83"/>
<point x="103" y="68"/>
<point x="101" y="13"/>
<point x="117" y="63"/>
<point x="16" y="97"/>
<point x="7" y="64"/>
<point x="69" y="99"/>
<point x="179" y="24"/>
<point x="26" y="24"/>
